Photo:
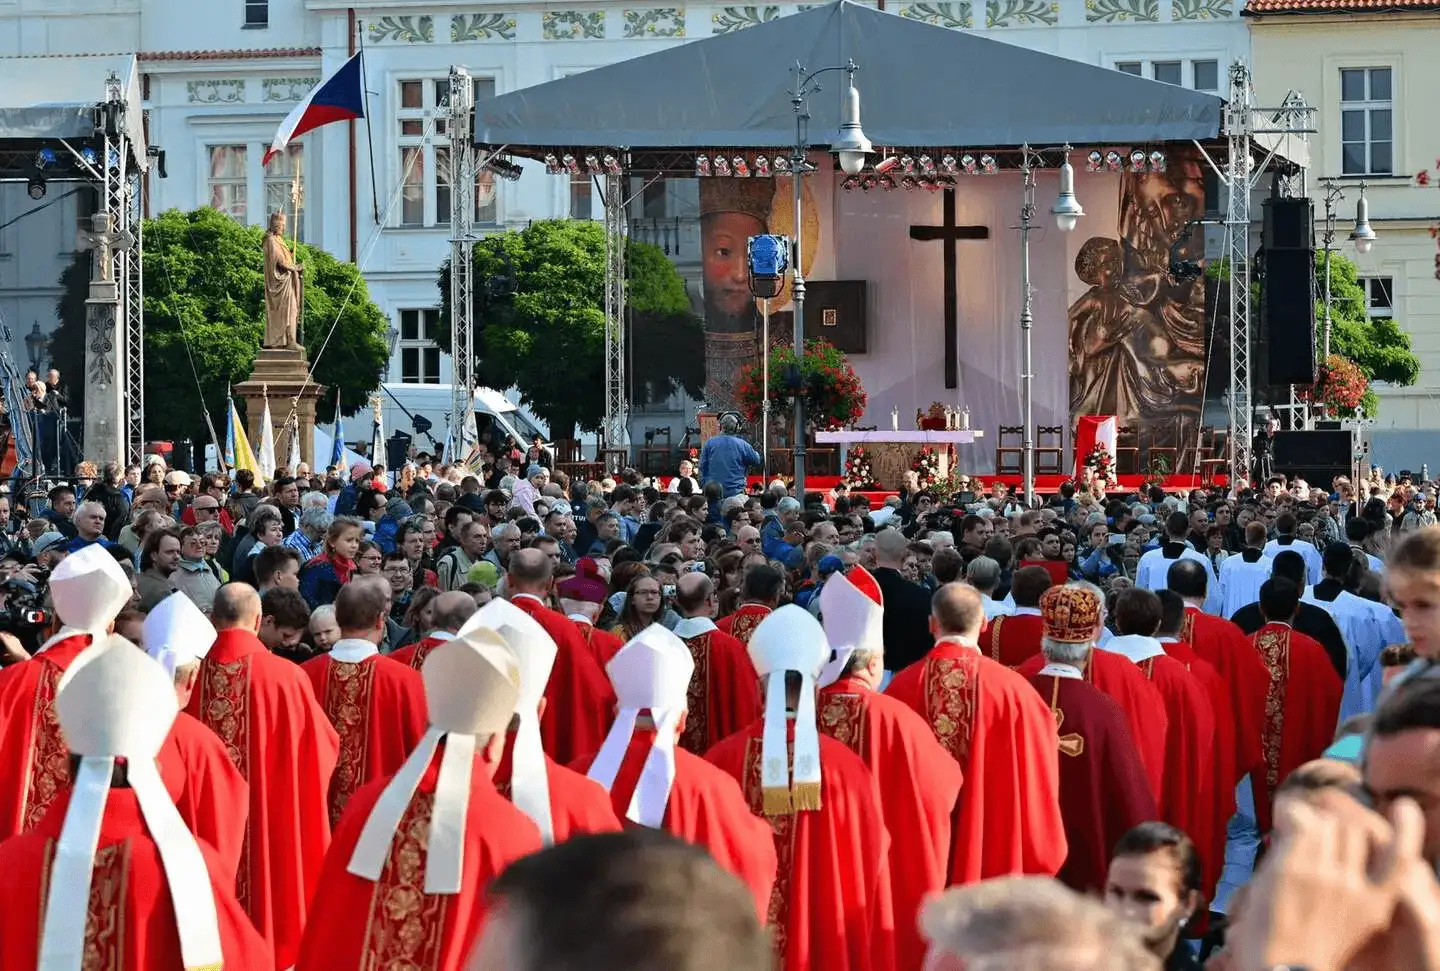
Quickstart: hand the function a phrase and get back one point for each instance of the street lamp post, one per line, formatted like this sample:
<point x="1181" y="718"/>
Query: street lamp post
<point x="850" y="148"/>
<point x="1362" y="236"/>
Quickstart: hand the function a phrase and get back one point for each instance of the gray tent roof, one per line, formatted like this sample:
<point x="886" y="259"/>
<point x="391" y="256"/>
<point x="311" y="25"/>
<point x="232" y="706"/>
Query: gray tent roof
<point x="920" y="85"/>
<point x="55" y="97"/>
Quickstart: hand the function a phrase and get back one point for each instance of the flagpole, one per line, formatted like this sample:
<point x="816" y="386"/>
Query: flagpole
<point x="369" y="130"/>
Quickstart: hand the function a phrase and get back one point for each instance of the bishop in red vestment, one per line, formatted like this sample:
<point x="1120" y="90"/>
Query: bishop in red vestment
<point x="448" y="613"/>
<point x="723" y="693"/>
<point x="1302" y="697"/>
<point x="559" y="801"/>
<point x="831" y="906"/>
<point x="109" y="877"/>
<point x="265" y="712"/>
<point x="404" y="883"/>
<point x="1007" y="820"/>
<point x="919" y="782"/>
<point x="654" y="783"/>
<point x="582" y="597"/>
<point x="742" y="623"/>
<point x="579" y="701"/>
<point x="413" y="655"/>
<point x="1012" y="639"/>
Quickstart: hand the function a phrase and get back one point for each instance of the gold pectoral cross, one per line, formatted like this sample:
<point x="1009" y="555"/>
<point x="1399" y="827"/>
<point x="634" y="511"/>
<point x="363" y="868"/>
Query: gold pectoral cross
<point x="1072" y="744"/>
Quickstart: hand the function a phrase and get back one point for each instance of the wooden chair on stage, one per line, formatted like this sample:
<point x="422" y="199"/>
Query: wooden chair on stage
<point x="1049" y="450"/>
<point x="1127" y="450"/>
<point x="652" y="455"/>
<point x="1162" y="452"/>
<point x="1010" y="450"/>
<point x="569" y="460"/>
<point x="1215" y="443"/>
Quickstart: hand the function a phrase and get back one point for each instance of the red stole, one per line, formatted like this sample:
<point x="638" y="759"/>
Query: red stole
<point x="830" y="907"/>
<point x="1103" y="789"/>
<point x="602" y="644"/>
<point x="1190" y="771"/>
<point x="919" y="787"/>
<point x="1011" y="639"/>
<point x="393" y="923"/>
<point x="580" y="703"/>
<point x="706" y="808"/>
<point x="1007" y="820"/>
<point x="1226" y="647"/>
<point x="34" y="761"/>
<point x="724" y="693"/>
<point x="742" y="623"/>
<point x="131" y="921"/>
<point x="577" y="804"/>
<point x="378" y="709"/>
<point x="414" y="655"/>
<point x="1302" y="706"/>
<point x="264" y="711"/>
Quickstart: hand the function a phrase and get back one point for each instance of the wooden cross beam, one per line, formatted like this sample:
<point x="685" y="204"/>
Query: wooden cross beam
<point x="949" y="233"/>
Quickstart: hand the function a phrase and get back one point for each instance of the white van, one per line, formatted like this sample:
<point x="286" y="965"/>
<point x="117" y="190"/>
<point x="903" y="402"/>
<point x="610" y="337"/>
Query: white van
<point x="409" y="408"/>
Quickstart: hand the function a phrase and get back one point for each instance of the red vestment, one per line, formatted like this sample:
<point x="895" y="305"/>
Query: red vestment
<point x="209" y="792"/>
<point x="378" y="709"/>
<point x="603" y="644"/>
<point x="130" y="924"/>
<point x="265" y="712"/>
<point x="1103" y="789"/>
<point x="919" y="788"/>
<point x="705" y="808"/>
<point x="577" y="804"/>
<point x="742" y="623"/>
<point x="831" y="905"/>
<point x="414" y="655"/>
<point x="1302" y="707"/>
<point x="579" y="701"/>
<point x="355" y="924"/>
<point x="1012" y="639"/>
<point x="1190" y="771"/>
<point x="1144" y="709"/>
<point x="1226" y="647"/>
<point x="1007" y="821"/>
<point x="724" y="693"/>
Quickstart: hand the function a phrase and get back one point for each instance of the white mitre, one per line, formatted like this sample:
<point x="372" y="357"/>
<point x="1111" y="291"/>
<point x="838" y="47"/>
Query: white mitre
<point x="789" y="639"/>
<point x="853" y="613"/>
<point x="651" y="672"/>
<point x="471" y="683"/>
<point x="88" y="589"/>
<point x="535" y="651"/>
<point x="176" y="633"/>
<point x="113" y="703"/>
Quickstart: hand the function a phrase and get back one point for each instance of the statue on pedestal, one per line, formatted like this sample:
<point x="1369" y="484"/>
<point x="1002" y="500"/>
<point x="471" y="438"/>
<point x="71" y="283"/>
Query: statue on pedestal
<point x="284" y="280"/>
<point x="105" y="240"/>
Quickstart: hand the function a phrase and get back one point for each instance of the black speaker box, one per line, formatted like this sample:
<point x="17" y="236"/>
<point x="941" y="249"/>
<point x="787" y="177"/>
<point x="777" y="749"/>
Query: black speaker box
<point x="1287" y="304"/>
<point x="1315" y="456"/>
<point x="1289" y="224"/>
<point x="835" y="311"/>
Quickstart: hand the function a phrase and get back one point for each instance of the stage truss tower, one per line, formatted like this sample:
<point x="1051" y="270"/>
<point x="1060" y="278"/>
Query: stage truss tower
<point x="617" y="404"/>
<point x="462" y="174"/>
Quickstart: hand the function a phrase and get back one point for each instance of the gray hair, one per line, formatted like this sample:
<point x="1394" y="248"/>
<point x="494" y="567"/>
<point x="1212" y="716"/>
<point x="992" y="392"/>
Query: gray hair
<point x="504" y="530"/>
<point x="942" y="537"/>
<point x="729" y="424"/>
<point x="983" y="573"/>
<point x="317" y="519"/>
<point x="315" y="500"/>
<point x="323" y="611"/>
<point x="1061" y="652"/>
<point x="261" y="509"/>
<point x="788" y="504"/>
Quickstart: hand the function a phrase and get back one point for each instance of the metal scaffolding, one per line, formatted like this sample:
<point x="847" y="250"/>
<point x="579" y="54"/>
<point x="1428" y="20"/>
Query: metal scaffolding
<point x="462" y="174"/>
<point x="617" y="403"/>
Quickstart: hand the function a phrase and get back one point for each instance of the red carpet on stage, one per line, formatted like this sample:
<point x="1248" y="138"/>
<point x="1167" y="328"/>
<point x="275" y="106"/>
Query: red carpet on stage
<point x="1044" y="484"/>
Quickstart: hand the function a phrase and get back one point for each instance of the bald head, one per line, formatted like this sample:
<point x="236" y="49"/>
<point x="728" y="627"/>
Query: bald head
<point x="956" y="611"/>
<point x="236" y="605"/>
<point x="692" y="594"/>
<point x="451" y="610"/>
<point x="891" y="546"/>
<point x="529" y="571"/>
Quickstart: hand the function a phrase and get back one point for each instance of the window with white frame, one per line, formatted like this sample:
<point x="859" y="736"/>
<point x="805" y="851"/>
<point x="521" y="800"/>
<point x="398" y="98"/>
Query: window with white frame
<point x="424" y="161"/>
<point x="1170" y="72"/>
<point x="1367" y="141"/>
<point x="1205" y="75"/>
<point x="1379" y="296"/>
<point x="582" y="196"/>
<point x="419" y="350"/>
<point x="1136" y="68"/>
<point x="1202" y="75"/>
<point x="281" y="178"/>
<point x="227" y="182"/>
<point x="257" y="13"/>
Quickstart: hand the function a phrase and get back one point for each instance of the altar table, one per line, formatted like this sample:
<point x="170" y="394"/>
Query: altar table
<point x="892" y="452"/>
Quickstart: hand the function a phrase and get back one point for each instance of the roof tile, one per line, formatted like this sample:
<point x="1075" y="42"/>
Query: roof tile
<point x="266" y="53"/>
<point x="1256" y="7"/>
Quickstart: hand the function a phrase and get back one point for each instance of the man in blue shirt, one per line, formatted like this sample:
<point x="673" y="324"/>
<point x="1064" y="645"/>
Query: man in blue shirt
<point x="726" y="458"/>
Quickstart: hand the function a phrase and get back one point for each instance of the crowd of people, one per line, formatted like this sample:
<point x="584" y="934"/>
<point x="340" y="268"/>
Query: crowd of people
<point x="511" y="720"/>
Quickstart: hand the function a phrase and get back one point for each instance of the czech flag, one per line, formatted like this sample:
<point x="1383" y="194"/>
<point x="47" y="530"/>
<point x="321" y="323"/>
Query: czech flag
<point x="340" y="97"/>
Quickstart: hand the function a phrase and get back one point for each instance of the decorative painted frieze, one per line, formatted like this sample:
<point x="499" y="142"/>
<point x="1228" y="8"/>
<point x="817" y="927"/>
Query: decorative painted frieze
<point x="221" y="92"/>
<point x="654" y="22"/>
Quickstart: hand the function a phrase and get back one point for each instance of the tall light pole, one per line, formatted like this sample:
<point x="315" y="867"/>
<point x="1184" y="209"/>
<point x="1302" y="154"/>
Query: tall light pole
<point x="1067" y="212"/>
<point x="850" y="148"/>
<point x="1362" y="236"/>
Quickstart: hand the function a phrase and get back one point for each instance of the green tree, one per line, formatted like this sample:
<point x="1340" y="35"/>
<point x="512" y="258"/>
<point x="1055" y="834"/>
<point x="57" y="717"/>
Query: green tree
<point x="540" y="321"/>
<point x="205" y="317"/>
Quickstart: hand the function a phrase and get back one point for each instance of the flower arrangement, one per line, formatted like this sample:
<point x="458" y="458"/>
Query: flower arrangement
<point x="1339" y="388"/>
<point x="1100" y="466"/>
<point x="858" y="472"/>
<point x="926" y="467"/>
<point x="833" y="395"/>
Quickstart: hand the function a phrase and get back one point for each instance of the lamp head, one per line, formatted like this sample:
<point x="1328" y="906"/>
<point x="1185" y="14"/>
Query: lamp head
<point x="1067" y="209"/>
<point x="1362" y="236"/>
<point x="851" y="146"/>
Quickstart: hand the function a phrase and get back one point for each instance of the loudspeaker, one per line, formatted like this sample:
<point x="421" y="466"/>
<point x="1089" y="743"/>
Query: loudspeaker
<point x="1289" y="224"/>
<point x="835" y="311"/>
<point x="1315" y="456"/>
<point x="1287" y="307"/>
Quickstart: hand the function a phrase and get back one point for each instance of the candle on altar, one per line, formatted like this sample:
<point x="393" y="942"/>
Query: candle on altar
<point x="894" y="419"/>
<point x="965" y="419"/>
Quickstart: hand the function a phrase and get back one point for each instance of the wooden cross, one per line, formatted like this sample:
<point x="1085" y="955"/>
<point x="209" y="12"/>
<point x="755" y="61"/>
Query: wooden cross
<point x="949" y="233"/>
<point x="1072" y="744"/>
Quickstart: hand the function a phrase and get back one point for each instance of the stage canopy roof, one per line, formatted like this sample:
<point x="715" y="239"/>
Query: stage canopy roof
<point x="54" y="97"/>
<point x="920" y="86"/>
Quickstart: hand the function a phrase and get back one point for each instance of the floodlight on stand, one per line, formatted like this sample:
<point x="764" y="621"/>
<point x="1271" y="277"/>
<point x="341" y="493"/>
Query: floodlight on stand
<point x="702" y="166"/>
<point x="927" y="165"/>
<point x="1157" y="161"/>
<point x="721" y="166"/>
<point x="552" y="165"/>
<point x="741" y="167"/>
<point x="768" y="260"/>
<point x="988" y="165"/>
<point x="1138" y="161"/>
<point x="572" y="165"/>
<point x="612" y="165"/>
<point x="1114" y="162"/>
<point x="1067" y="210"/>
<point x="967" y="164"/>
<point x="1094" y="162"/>
<point x="36" y="187"/>
<point x="948" y="164"/>
<point x="781" y="165"/>
<point x="1362" y="235"/>
<point x="593" y="164"/>
<point x="762" y="167"/>
<point x="886" y="164"/>
<point x="44" y="158"/>
<point x="851" y="146"/>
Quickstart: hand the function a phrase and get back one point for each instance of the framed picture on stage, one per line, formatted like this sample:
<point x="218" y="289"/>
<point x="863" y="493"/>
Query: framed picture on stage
<point x="835" y="311"/>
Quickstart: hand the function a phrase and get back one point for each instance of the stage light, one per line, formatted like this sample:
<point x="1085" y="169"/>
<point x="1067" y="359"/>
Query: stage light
<point x="931" y="185"/>
<point x="36" y="188"/>
<point x="967" y="164"/>
<point x="851" y="183"/>
<point x="908" y="182"/>
<point x="886" y="164"/>
<point x="1113" y="161"/>
<point x="1362" y="236"/>
<point x="908" y="164"/>
<point x="552" y="165"/>
<point x="927" y="165"/>
<point x="887" y="183"/>
<point x="1067" y="211"/>
<point x="702" y="166"/>
<point x="113" y="159"/>
<point x="945" y="182"/>
<point x="721" y="166"/>
<point x="507" y="170"/>
<point x="869" y="182"/>
<point x="988" y="165"/>
<point x="762" y="167"/>
<point x="612" y="165"/>
<point x="571" y="165"/>
<point x="1094" y="162"/>
<point x="1157" y="161"/>
<point x="592" y="163"/>
<point x="781" y="165"/>
<point x="44" y="158"/>
<point x="947" y="164"/>
<point x="741" y="167"/>
<point x="1138" y="161"/>
<point x="90" y="156"/>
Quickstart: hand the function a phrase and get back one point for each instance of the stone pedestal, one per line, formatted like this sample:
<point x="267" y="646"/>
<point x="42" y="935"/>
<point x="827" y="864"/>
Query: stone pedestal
<point x="281" y="375"/>
<point x="104" y="375"/>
